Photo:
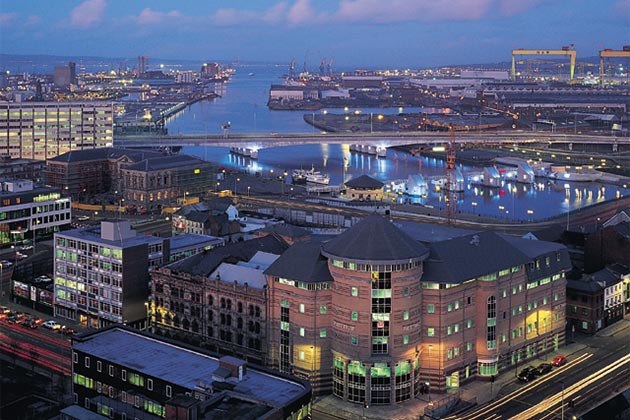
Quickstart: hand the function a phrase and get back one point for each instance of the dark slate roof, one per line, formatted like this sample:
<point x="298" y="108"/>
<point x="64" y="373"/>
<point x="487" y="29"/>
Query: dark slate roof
<point x="104" y="153"/>
<point x="203" y="264"/>
<point x="622" y="229"/>
<point x="220" y="204"/>
<point x="364" y="182"/>
<point x="190" y="208"/>
<point x="584" y="285"/>
<point x="286" y="229"/>
<point x="539" y="250"/>
<point x="198" y="216"/>
<point x="165" y="162"/>
<point x="605" y="277"/>
<point x="375" y="240"/>
<point x="467" y="257"/>
<point x="301" y="262"/>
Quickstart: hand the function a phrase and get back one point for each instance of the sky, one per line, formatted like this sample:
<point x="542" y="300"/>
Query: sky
<point x="353" y="33"/>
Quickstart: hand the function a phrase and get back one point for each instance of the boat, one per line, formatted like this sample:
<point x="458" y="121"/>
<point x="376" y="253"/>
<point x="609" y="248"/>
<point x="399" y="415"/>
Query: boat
<point x="251" y="74"/>
<point x="303" y="176"/>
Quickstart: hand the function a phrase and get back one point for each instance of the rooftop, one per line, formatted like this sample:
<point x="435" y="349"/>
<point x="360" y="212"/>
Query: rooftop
<point x="302" y="262"/>
<point x="375" y="240"/>
<point x="178" y="365"/>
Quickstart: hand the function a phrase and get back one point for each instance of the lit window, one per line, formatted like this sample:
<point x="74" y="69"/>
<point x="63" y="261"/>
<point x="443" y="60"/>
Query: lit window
<point x="355" y="316"/>
<point x="301" y="331"/>
<point x="431" y="308"/>
<point x="405" y="315"/>
<point x="302" y="356"/>
<point x="431" y="332"/>
<point x="354" y="340"/>
<point x="301" y="308"/>
<point x="405" y="339"/>
<point x="406" y="291"/>
<point x="355" y="291"/>
<point x="322" y="309"/>
<point x="322" y="333"/>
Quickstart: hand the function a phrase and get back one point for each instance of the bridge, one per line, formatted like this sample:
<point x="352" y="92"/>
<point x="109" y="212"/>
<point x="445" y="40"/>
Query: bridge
<point x="262" y="141"/>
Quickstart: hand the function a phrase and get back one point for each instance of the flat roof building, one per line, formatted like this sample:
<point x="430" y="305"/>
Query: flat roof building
<point x="102" y="273"/>
<point x="43" y="130"/>
<point x="118" y="370"/>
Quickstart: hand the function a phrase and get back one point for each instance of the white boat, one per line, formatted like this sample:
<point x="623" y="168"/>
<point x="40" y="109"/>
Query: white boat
<point x="302" y="176"/>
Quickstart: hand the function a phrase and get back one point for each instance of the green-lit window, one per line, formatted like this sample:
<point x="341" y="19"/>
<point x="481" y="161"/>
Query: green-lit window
<point x="322" y="309"/>
<point x="431" y="332"/>
<point x="431" y="308"/>
<point x="355" y="291"/>
<point x="354" y="340"/>
<point x="322" y="333"/>
<point x="406" y="291"/>
<point x="405" y="315"/>
<point x="405" y="339"/>
<point x="355" y="316"/>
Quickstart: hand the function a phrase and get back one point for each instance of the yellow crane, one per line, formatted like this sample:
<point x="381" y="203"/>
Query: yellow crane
<point x="564" y="51"/>
<point x="609" y="53"/>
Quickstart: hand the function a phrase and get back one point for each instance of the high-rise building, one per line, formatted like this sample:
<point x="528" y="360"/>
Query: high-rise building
<point x="43" y="130"/>
<point x="102" y="273"/>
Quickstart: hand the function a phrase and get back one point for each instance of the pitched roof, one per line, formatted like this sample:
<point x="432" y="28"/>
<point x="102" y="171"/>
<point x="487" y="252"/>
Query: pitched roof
<point x="165" y="162"/>
<point x="206" y="262"/>
<point x="364" y="182"/>
<point x="375" y="240"/>
<point x="301" y="262"/>
<point x="103" y="153"/>
<point x="466" y="257"/>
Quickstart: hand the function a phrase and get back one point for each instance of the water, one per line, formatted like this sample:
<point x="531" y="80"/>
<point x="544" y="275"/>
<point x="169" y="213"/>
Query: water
<point x="243" y="103"/>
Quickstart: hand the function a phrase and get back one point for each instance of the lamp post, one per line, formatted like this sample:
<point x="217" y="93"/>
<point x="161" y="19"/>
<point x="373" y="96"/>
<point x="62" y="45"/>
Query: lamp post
<point x="429" y="382"/>
<point x="235" y="181"/>
<point x="371" y="126"/>
<point x="248" y="189"/>
<point x="513" y="211"/>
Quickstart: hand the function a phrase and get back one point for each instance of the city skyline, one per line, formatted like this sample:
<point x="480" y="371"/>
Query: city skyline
<point x="364" y="33"/>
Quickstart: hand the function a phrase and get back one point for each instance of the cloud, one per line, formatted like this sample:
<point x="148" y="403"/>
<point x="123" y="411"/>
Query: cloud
<point x="622" y="8"/>
<point x="378" y="11"/>
<point x="7" y="18"/>
<point x="301" y="13"/>
<point x="33" y="20"/>
<point x="88" y="14"/>
<point x="151" y="17"/>
<point x="511" y="7"/>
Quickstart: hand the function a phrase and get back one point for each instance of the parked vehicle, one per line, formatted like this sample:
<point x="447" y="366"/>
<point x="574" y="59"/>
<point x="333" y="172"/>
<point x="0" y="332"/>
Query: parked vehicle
<point x="66" y="331"/>
<point x="543" y="368"/>
<point x="527" y="374"/>
<point x="559" y="360"/>
<point x="53" y="325"/>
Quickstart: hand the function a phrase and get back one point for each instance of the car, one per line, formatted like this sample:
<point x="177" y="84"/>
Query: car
<point x="527" y="374"/>
<point x="83" y="218"/>
<point x="66" y="330"/>
<point x="559" y="360"/>
<point x="543" y="368"/>
<point x="51" y="325"/>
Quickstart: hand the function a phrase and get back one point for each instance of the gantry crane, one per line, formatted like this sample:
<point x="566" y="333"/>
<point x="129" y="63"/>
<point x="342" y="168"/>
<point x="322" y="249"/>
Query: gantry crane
<point x="451" y="178"/>
<point x="564" y="51"/>
<point x="608" y="53"/>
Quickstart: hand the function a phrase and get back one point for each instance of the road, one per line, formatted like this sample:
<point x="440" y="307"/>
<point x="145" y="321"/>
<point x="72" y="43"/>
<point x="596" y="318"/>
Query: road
<point x="592" y="375"/>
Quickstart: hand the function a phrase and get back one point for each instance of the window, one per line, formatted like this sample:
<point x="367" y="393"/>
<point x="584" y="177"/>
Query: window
<point x="456" y="305"/>
<point x="87" y="402"/>
<point x="468" y="346"/>
<point x="301" y="308"/>
<point x="449" y="307"/>
<point x="302" y="332"/>
<point x="406" y="291"/>
<point x="405" y="339"/>
<point x="124" y="396"/>
<point x="405" y="315"/>
<point x="301" y="355"/>
<point x="169" y="391"/>
<point x="75" y="357"/>
<point x="468" y="323"/>
<point x="431" y="308"/>
<point x="449" y="330"/>
<point x="431" y="332"/>
<point x="354" y="340"/>
<point x="355" y="316"/>
<point x="111" y="370"/>
<point x="322" y="309"/>
<point x="99" y="365"/>
<point x="124" y="375"/>
<point x="584" y="325"/>
<point x="87" y="361"/>
<point x="322" y="333"/>
<point x="355" y="291"/>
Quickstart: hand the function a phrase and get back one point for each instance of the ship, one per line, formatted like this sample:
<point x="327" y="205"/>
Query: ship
<point x="303" y="176"/>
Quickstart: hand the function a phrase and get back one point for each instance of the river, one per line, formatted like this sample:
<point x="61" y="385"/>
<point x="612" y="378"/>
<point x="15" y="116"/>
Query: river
<point x="242" y="103"/>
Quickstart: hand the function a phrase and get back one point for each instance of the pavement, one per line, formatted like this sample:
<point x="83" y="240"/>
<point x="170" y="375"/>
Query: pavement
<point x="479" y="392"/>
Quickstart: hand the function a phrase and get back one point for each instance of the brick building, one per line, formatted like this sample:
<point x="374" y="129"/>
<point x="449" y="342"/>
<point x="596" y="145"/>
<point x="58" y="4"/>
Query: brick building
<point x="374" y="314"/>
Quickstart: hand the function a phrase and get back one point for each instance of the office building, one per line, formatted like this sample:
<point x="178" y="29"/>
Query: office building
<point x="101" y="273"/>
<point x="125" y="374"/>
<point x="43" y="130"/>
<point x="29" y="211"/>
<point x="375" y="314"/>
<point x="158" y="182"/>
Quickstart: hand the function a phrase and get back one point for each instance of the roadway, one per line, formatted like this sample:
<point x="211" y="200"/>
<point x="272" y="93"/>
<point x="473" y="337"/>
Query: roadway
<point x="263" y="140"/>
<point x="592" y="375"/>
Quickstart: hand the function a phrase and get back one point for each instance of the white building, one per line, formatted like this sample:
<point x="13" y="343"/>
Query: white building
<point x="102" y="273"/>
<point x="43" y="130"/>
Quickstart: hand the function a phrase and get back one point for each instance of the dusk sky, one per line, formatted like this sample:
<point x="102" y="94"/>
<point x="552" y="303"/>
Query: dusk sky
<point x="356" y="33"/>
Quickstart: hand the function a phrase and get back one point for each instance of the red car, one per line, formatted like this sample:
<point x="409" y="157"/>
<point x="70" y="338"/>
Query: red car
<point x="559" y="360"/>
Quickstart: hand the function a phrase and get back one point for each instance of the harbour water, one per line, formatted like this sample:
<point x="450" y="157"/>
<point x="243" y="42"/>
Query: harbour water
<point x="243" y="104"/>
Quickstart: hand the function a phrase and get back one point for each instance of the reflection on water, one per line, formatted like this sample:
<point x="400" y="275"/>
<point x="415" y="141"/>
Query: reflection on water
<point x="511" y="201"/>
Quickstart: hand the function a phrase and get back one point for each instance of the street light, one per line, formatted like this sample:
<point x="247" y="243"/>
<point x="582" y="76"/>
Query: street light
<point x="429" y="360"/>
<point x="248" y="188"/>
<point x="235" y="181"/>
